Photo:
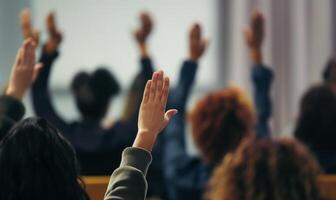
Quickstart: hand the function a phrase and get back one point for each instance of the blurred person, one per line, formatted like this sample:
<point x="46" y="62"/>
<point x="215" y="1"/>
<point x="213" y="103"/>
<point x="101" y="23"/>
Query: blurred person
<point x="93" y="94"/>
<point x="24" y="71"/>
<point x="128" y="181"/>
<point x="37" y="162"/>
<point x="262" y="76"/>
<point x="316" y="125"/>
<point x="266" y="169"/>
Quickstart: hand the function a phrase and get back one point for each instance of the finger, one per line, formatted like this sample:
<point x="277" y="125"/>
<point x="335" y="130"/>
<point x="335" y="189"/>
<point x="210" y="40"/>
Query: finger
<point x="168" y="115"/>
<point x="25" y="49"/>
<point x="159" y="86"/>
<point x="146" y="92"/>
<point x="204" y="44"/>
<point x="153" y="87"/>
<point x="18" y="59"/>
<point x="165" y="91"/>
<point x="37" y="69"/>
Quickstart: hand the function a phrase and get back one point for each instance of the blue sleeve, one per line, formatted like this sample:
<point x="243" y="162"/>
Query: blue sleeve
<point x="262" y="78"/>
<point x="41" y="97"/>
<point x="181" y="171"/>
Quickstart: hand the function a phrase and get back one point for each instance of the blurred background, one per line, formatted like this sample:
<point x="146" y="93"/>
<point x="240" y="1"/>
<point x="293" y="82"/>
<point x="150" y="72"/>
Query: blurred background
<point x="300" y="37"/>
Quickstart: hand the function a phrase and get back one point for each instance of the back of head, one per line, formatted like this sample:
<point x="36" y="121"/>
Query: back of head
<point x="316" y="124"/>
<point x="93" y="92"/>
<point x="266" y="169"/>
<point x="37" y="163"/>
<point x="219" y="122"/>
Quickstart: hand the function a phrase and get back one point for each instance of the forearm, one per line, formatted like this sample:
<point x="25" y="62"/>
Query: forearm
<point x="128" y="182"/>
<point x="262" y="77"/>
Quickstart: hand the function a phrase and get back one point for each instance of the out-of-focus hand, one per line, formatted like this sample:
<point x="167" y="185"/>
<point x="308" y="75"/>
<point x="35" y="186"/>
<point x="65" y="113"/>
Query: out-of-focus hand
<point x="152" y="115"/>
<point x="197" y="44"/>
<point x="24" y="70"/>
<point x="254" y="36"/>
<point x="26" y="26"/>
<point x="55" y="36"/>
<point x="143" y="31"/>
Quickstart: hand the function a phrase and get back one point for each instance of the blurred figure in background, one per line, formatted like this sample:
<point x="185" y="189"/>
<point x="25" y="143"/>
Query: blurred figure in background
<point x="93" y="93"/>
<point x="316" y="125"/>
<point x="261" y="75"/>
<point x="266" y="169"/>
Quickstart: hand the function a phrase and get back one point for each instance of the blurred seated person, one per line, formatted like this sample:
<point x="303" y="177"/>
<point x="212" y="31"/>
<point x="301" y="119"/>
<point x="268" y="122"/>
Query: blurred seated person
<point x="98" y="148"/>
<point x="266" y="169"/>
<point x="316" y="125"/>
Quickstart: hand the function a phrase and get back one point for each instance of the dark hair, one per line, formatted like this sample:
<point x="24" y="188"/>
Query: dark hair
<point x="220" y="120"/>
<point x="37" y="163"/>
<point x="316" y="125"/>
<point x="93" y="92"/>
<point x="266" y="169"/>
<point x="329" y="73"/>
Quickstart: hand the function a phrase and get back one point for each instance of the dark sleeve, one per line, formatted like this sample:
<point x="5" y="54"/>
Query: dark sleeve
<point x="180" y="170"/>
<point x="128" y="182"/>
<point x="262" y="78"/>
<point x="134" y="95"/>
<point x="11" y="111"/>
<point x="41" y="97"/>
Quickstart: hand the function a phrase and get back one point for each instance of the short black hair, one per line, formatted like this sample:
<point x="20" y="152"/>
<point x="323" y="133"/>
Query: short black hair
<point x="94" y="91"/>
<point x="37" y="162"/>
<point x="316" y="125"/>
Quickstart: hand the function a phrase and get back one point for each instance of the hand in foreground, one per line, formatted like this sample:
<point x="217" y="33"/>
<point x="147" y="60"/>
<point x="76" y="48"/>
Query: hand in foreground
<point x="26" y="26"/>
<point x="254" y="35"/>
<point x="152" y="115"/>
<point x="197" y="44"/>
<point x="24" y="70"/>
<point x="55" y="36"/>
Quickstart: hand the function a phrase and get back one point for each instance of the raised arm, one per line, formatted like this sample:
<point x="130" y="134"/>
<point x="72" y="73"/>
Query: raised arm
<point x="128" y="182"/>
<point x="40" y="91"/>
<point x="179" y="167"/>
<point x="262" y="76"/>
<point x="23" y="73"/>
<point x="134" y="96"/>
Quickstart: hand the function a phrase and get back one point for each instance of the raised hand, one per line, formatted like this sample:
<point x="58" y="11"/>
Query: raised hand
<point x="26" y="26"/>
<point x="143" y="31"/>
<point x="152" y="115"/>
<point x="197" y="44"/>
<point x="55" y="36"/>
<point x="254" y="35"/>
<point x="24" y="70"/>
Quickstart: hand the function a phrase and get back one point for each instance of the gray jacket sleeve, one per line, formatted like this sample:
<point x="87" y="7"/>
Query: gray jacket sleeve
<point x="128" y="182"/>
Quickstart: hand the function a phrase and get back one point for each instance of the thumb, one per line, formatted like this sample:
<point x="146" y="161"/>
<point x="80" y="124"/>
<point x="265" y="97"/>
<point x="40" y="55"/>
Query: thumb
<point x="169" y="114"/>
<point x="37" y="69"/>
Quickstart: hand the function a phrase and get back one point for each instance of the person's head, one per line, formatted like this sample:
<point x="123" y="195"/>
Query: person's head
<point x="266" y="169"/>
<point x="37" y="163"/>
<point x="220" y="121"/>
<point x="93" y="92"/>
<point x="316" y="123"/>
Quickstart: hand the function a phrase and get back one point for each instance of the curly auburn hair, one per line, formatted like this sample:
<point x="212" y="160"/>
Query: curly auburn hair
<point x="266" y="169"/>
<point x="219" y="121"/>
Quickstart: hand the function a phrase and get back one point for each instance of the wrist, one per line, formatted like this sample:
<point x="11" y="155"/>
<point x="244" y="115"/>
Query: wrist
<point x="17" y="94"/>
<point x="256" y="55"/>
<point x="145" y="140"/>
<point x="143" y="49"/>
